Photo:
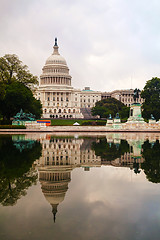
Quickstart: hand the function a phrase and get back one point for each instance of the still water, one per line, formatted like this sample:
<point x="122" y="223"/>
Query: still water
<point x="80" y="187"/>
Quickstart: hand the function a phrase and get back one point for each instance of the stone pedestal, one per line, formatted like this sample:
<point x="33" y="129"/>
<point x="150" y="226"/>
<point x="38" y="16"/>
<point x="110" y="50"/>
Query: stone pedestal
<point x="152" y="121"/>
<point x="19" y="123"/>
<point x="109" y="121"/>
<point x="117" y="120"/>
<point x="135" y="114"/>
<point x="135" y="120"/>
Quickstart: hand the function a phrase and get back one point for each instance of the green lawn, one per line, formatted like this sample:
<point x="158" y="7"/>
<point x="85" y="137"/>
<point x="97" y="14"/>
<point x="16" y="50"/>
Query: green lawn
<point x="69" y="122"/>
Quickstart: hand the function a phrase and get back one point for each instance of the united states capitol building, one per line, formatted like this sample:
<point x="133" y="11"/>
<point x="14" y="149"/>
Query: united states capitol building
<point x="60" y="100"/>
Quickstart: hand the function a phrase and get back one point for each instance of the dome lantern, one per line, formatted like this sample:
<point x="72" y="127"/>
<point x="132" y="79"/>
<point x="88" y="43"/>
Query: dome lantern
<point x="55" y="47"/>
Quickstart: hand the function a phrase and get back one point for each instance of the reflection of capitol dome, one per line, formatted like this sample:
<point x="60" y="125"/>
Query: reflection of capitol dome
<point x="55" y="71"/>
<point x="54" y="186"/>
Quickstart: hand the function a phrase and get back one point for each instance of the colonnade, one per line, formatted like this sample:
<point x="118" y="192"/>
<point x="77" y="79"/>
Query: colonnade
<point x="56" y="80"/>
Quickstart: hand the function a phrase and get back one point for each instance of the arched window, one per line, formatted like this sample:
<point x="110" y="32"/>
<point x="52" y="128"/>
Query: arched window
<point x="59" y="110"/>
<point x="74" y="111"/>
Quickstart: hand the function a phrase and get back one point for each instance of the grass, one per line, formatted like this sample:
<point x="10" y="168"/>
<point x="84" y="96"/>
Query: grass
<point x="69" y="122"/>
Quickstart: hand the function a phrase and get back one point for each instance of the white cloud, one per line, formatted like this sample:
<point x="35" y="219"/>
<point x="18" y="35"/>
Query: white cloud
<point x="105" y="43"/>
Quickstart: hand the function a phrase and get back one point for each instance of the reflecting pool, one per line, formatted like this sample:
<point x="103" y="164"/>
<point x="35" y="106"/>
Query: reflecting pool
<point x="104" y="186"/>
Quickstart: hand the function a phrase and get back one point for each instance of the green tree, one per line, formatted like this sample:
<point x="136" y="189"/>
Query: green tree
<point x="151" y="95"/>
<point x="18" y="96"/>
<point x="110" y="106"/>
<point x="16" y="171"/>
<point x="151" y="165"/>
<point x="2" y="90"/>
<point x="15" y="84"/>
<point x="12" y="69"/>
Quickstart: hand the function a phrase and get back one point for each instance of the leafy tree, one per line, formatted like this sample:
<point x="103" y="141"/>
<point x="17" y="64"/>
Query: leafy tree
<point x="18" y="96"/>
<point x="151" y="95"/>
<point x="12" y="69"/>
<point x="109" y="151"/>
<point x="110" y="106"/>
<point x="151" y="165"/>
<point x="16" y="172"/>
<point x="2" y="91"/>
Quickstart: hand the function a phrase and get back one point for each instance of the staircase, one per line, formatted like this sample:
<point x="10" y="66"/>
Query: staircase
<point x="86" y="113"/>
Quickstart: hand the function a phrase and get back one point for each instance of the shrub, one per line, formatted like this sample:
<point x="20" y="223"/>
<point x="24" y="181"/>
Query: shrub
<point x="93" y="123"/>
<point x="12" y="127"/>
<point x="5" y="122"/>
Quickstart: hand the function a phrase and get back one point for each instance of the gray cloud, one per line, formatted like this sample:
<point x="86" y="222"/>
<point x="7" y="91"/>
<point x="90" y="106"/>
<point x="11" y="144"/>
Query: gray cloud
<point x="105" y="43"/>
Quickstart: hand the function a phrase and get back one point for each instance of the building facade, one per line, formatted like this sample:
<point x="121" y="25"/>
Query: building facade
<point x="124" y="96"/>
<point x="60" y="100"/>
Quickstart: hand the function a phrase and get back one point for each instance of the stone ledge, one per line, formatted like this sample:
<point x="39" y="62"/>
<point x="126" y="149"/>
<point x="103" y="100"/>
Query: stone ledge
<point x="77" y="129"/>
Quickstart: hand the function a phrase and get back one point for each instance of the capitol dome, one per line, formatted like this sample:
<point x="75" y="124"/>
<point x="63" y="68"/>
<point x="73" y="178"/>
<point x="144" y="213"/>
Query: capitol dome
<point x="55" y="70"/>
<point x="56" y="59"/>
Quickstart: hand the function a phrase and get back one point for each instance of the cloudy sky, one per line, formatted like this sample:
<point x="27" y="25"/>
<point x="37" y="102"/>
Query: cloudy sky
<point x="108" y="44"/>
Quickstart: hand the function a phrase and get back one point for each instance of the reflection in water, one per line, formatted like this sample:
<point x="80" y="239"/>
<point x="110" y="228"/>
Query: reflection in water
<point x="16" y="167"/>
<point x="61" y="155"/>
<point x="104" y="196"/>
<point x="110" y="150"/>
<point x="151" y="165"/>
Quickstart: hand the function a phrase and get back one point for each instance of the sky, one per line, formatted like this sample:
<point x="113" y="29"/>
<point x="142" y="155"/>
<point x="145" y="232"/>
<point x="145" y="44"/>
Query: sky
<point x="108" y="44"/>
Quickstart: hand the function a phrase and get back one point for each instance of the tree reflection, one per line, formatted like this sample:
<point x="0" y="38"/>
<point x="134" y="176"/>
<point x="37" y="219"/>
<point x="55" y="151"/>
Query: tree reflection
<point x="16" y="172"/>
<point x="109" y="150"/>
<point x="151" y="165"/>
<point x="136" y="167"/>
